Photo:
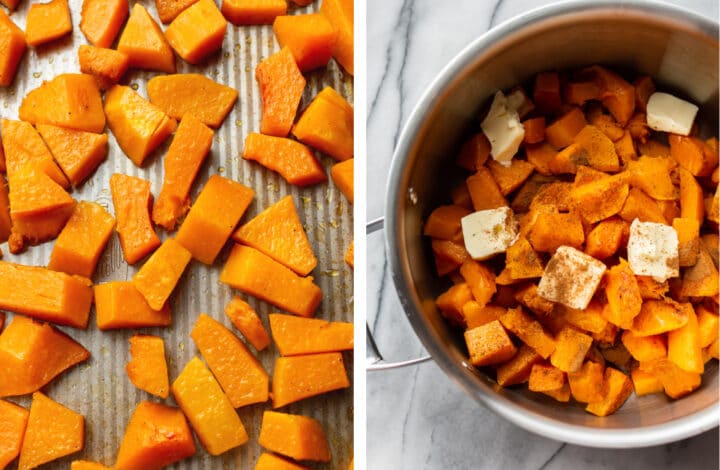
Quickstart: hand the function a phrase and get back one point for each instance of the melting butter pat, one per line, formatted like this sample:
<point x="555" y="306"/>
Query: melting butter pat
<point x="503" y="128"/>
<point x="489" y="232"/>
<point x="571" y="278"/>
<point x="668" y="113"/>
<point x="653" y="250"/>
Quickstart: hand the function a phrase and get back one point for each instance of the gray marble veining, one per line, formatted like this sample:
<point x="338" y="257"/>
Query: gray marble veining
<point x="416" y="417"/>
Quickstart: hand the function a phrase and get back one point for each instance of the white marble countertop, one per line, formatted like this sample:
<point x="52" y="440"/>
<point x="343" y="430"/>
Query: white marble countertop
<point x="416" y="417"/>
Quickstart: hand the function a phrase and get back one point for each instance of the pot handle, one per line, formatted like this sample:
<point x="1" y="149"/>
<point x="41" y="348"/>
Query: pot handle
<point x="374" y="359"/>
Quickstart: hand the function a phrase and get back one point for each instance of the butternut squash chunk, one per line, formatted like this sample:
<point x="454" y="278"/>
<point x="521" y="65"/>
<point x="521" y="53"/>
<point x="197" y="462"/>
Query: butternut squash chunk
<point x="625" y="148"/>
<point x="138" y="125"/>
<point x="107" y="65"/>
<point x="617" y="387"/>
<point x="243" y="12"/>
<point x="601" y="153"/>
<point x="239" y="373"/>
<point x="684" y="348"/>
<point x="158" y="277"/>
<point x="448" y="255"/>
<point x="444" y="222"/>
<point x="522" y="261"/>
<point x="586" y="385"/>
<point x="546" y="92"/>
<point x="246" y="319"/>
<point x="563" y="130"/>
<point x="623" y="295"/>
<point x="257" y="274"/>
<point x="273" y="462"/>
<point x="676" y="381"/>
<point x="484" y="191"/>
<point x="480" y="279"/>
<point x="590" y="319"/>
<point x="156" y="436"/>
<point x="197" y="32"/>
<point x="310" y="38"/>
<point x="509" y="178"/>
<point x="32" y="193"/>
<point x="605" y="239"/>
<point x="147" y="369"/>
<point x="534" y="130"/>
<point x="691" y="197"/>
<point x="570" y="349"/>
<point x="87" y="465"/>
<point x="693" y="154"/>
<point x="188" y="150"/>
<point x="12" y="48"/>
<point x="342" y="175"/>
<point x="294" y="335"/>
<point x="489" y="344"/>
<point x="144" y="43"/>
<point x="451" y="302"/>
<point x="659" y="316"/>
<point x="295" y="436"/>
<point x="552" y="230"/>
<point x="701" y="279"/>
<point x="13" y="421"/>
<point x="517" y="370"/>
<point x="47" y="22"/>
<point x="168" y="10"/>
<point x="53" y="431"/>
<point x="101" y="20"/>
<point x="23" y="146"/>
<point x="298" y="377"/>
<point x="327" y="124"/>
<point x="607" y="125"/>
<point x="192" y="93"/>
<point x="652" y="175"/>
<point x="211" y="415"/>
<point x="541" y="156"/>
<point x="118" y="304"/>
<point x="281" y="88"/>
<point x="38" y="228"/>
<point x="212" y="218"/>
<point x="639" y="205"/>
<point x="82" y="241"/>
<point x="688" y="231"/>
<point x="278" y="233"/>
<point x="645" y="383"/>
<point x="131" y="199"/>
<point x="78" y="153"/>
<point x="546" y="378"/>
<point x="708" y="325"/>
<point x="70" y="100"/>
<point x="644" y="348"/>
<point x="292" y="160"/>
<point x="341" y="16"/>
<point x="474" y="152"/>
<point x="5" y="221"/>
<point x="45" y="294"/>
<point x="529" y="331"/>
<point x="616" y="94"/>
<point x="32" y="354"/>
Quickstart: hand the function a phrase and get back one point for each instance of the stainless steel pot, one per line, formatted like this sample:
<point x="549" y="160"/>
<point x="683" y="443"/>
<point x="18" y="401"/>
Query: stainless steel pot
<point x="680" y="50"/>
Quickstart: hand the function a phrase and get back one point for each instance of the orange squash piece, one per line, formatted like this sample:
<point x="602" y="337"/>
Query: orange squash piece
<point x="239" y="373"/>
<point x="546" y="378"/>
<point x="131" y="199"/>
<point x="327" y="124"/>
<point x="645" y="383"/>
<point x="144" y="42"/>
<point x="118" y="304"/>
<point x="652" y="175"/>
<point x="298" y="377"/>
<point x="449" y="255"/>
<point x="278" y="232"/>
<point x="340" y="13"/>
<point x="474" y="152"/>
<point x="298" y="437"/>
<point x="623" y="295"/>
<point x="605" y="239"/>
<point x="701" y="279"/>
<point x="138" y="125"/>
<point x="211" y="415"/>
<point x="193" y="93"/>
<point x="212" y="218"/>
<point x="688" y="232"/>
<point x="693" y="154"/>
<point x="47" y="22"/>
<point x="101" y="20"/>
<point x="5" y="221"/>
<point x="245" y="319"/>
<point x="451" y="303"/>
<point x="617" y="388"/>
<point x="82" y="241"/>
<point x="310" y="38"/>
<point x="188" y="150"/>
<point x="32" y="354"/>
<point x="273" y="462"/>
<point x="156" y="436"/>
<point x="601" y="153"/>
<point x="168" y="10"/>
<point x="570" y="349"/>
<point x="158" y="277"/>
<point x="676" y="381"/>
<point x="552" y="230"/>
<point x="517" y="369"/>
<point x="106" y="65"/>
<point x="489" y="344"/>
<point x="242" y="12"/>
<point x="484" y="191"/>
<point x="534" y="130"/>
<point x="292" y="160"/>
<point x="684" y="348"/>
<point x="32" y="192"/>
<point x="12" y="48"/>
<point x="294" y="335"/>
<point x="444" y="222"/>
<point x="509" y="178"/>
<point x="147" y="369"/>
<point x="561" y="132"/>
<point x="342" y="175"/>
<point x="23" y="146"/>
<point x="281" y="88"/>
<point x="659" y="316"/>
<point x="639" y="205"/>
<point x="522" y="261"/>
<point x="644" y="348"/>
<point x="530" y="331"/>
<point x="586" y="385"/>
<point x="197" y="31"/>
<point x="38" y="228"/>
<point x="70" y="100"/>
<point x="546" y="92"/>
<point x="13" y="420"/>
<point x="257" y="274"/>
<point x="691" y="196"/>
<point x="44" y="294"/>
<point x="87" y="465"/>
<point x="480" y="279"/>
<point x="616" y="94"/>
<point x="78" y="153"/>
<point x="53" y="431"/>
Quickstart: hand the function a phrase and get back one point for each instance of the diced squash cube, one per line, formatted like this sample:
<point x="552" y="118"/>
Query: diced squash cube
<point x="489" y="344"/>
<point x="639" y="205"/>
<point x="245" y="319"/>
<point x="444" y="222"/>
<point x="480" y="279"/>
<point x="451" y="303"/>
<point x="509" y="178"/>
<point x="46" y="22"/>
<point x="693" y="154"/>
<point x="77" y="152"/>
<point x="311" y="38"/>
<point x="474" y="152"/>
<point x="168" y="10"/>
<point x="131" y="199"/>
<point x="107" y="65"/>
<point x="586" y="385"/>
<point x="517" y="370"/>
<point x="659" y="316"/>
<point x="546" y="92"/>
<point x="23" y="146"/>
<point x="239" y="373"/>
<point x="561" y="132"/>
<point x="211" y="415"/>
<point x="273" y="462"/>
<point x="147" y="369"/>
<point x="32" y="192"/>
<point x="601" y="153"/>
<point x="546" y="378"/>
<point x="589" y="319"/>
<point x="553" y="230"/>
<point x="295" y="436"/>
<point x="476" y="315"/>
<point x="327" y="124"/>
<point x="645" y="383"/>
<point x="340" y="15"/>
<point x="529" y="331"/>
<point x="652" y="175"/>
<point x="292" y="160"/>
<point x="644" y="348"/>
<point x="605" y="239"/>
<point x="158" y="277"/>
<point x="13" y="420"/>
<point x="623" y="295"/>
<point x="118" y="304"/>
<point x="281" y="87"/>
<point x="676" y="381"/>
<point x="570" y="349"/>
<point x="144" y="42"/>
<point x="616" y="94"/>
<point x="708" y="325"/>
<point x="522" y="261"/>
<point x="691" y="197"/>
<point x="684" y="348"/>
<point x="600" y="199"/>
<point x="617" y="388"/>
<point x="12" y="49"/>
<point x="213" y="217"/>
<point x="298" y="377"/>
<point x="101" y="20"/>
<point x="342" y="175"/>
<point x="698" y="280"/>
<point x="448" y="255"/>
<point x="197" y="32"/>
<point x="484" y="191"/>
<point x="294" y="335"/>
<point x="243" y="12"/>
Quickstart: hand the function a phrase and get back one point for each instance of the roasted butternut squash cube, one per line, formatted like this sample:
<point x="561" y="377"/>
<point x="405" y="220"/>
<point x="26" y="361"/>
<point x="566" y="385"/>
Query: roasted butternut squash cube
<point x="589" y="319"/>
<point x="24" y="147"/>
<point x="147" y="369"/>
<point x="570" y="349"/>
<point x="605" y="239"/>
<point x="78" y="153"/>
<point x="340" y="15"/>
<point x="676" y="381"/>
<point x="553" y="230"/>
<point x="644" y="348"/>
<point x="327" y="124"/>
<point x="101" y="20"/>
<point x="281" y="88"/>
<point x="546" y="378"/>
<point x="158" y="277"/>
<point x="13" y="420"/>
<point x="480" y="279"/>
<point x="561" y="132"/>
<point x="47" y="22"/>
<point x="144" y="42"/>
<point x="131" y="199"/>
<point x="107" y="65"/>
<point x="600" y="199"/>
<point x="708" y="325"/>
<point x="295" y="436"/>
<point x="342" y="175"/>
<point x="298" y="377"/>
<point x="617" y="387"/>
<point x="245" y="319"/>
<point x="517" y="369"/>
<point x="294" y="335"/>
<point x="197" y="31"/>
<point x="168" y="10"/>
<point x="684" y="347"/>
<point x="586" y="384"/>
<point x="530" y="331"/>
<point x="623" y="295"/>
<point x="311" y="38"/>
<point x="475" y="315"/>
<point x="451" y="303"/>
<point x="489" y="344"/>
<point x="12" y="49"/>
<point x="273" y="462"/>
<point x="244" y="12"/>
<point x="118" y="304"/>
<point x="659" y="316"/>
<point x="645" y="383"/>
<point x="291" y="159"/>
<point x="444" y="222"/>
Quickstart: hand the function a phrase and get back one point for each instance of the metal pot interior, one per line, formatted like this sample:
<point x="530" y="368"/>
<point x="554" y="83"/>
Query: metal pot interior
<point x="680" y="51"/>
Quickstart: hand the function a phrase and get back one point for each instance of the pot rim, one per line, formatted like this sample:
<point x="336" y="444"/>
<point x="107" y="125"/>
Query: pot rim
<point x="629" y="437"/>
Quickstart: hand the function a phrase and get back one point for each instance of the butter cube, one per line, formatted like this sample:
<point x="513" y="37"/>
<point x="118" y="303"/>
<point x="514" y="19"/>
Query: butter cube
<point x="571" y="278"/>
<point x="668" y="113"/>
<point x="653" y="250"/>
<point x="489" y="232"/>
<point x="503" y="128"/>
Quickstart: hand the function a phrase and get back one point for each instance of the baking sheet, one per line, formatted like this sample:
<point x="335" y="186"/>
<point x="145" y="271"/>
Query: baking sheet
<point x="99" y="388"/>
